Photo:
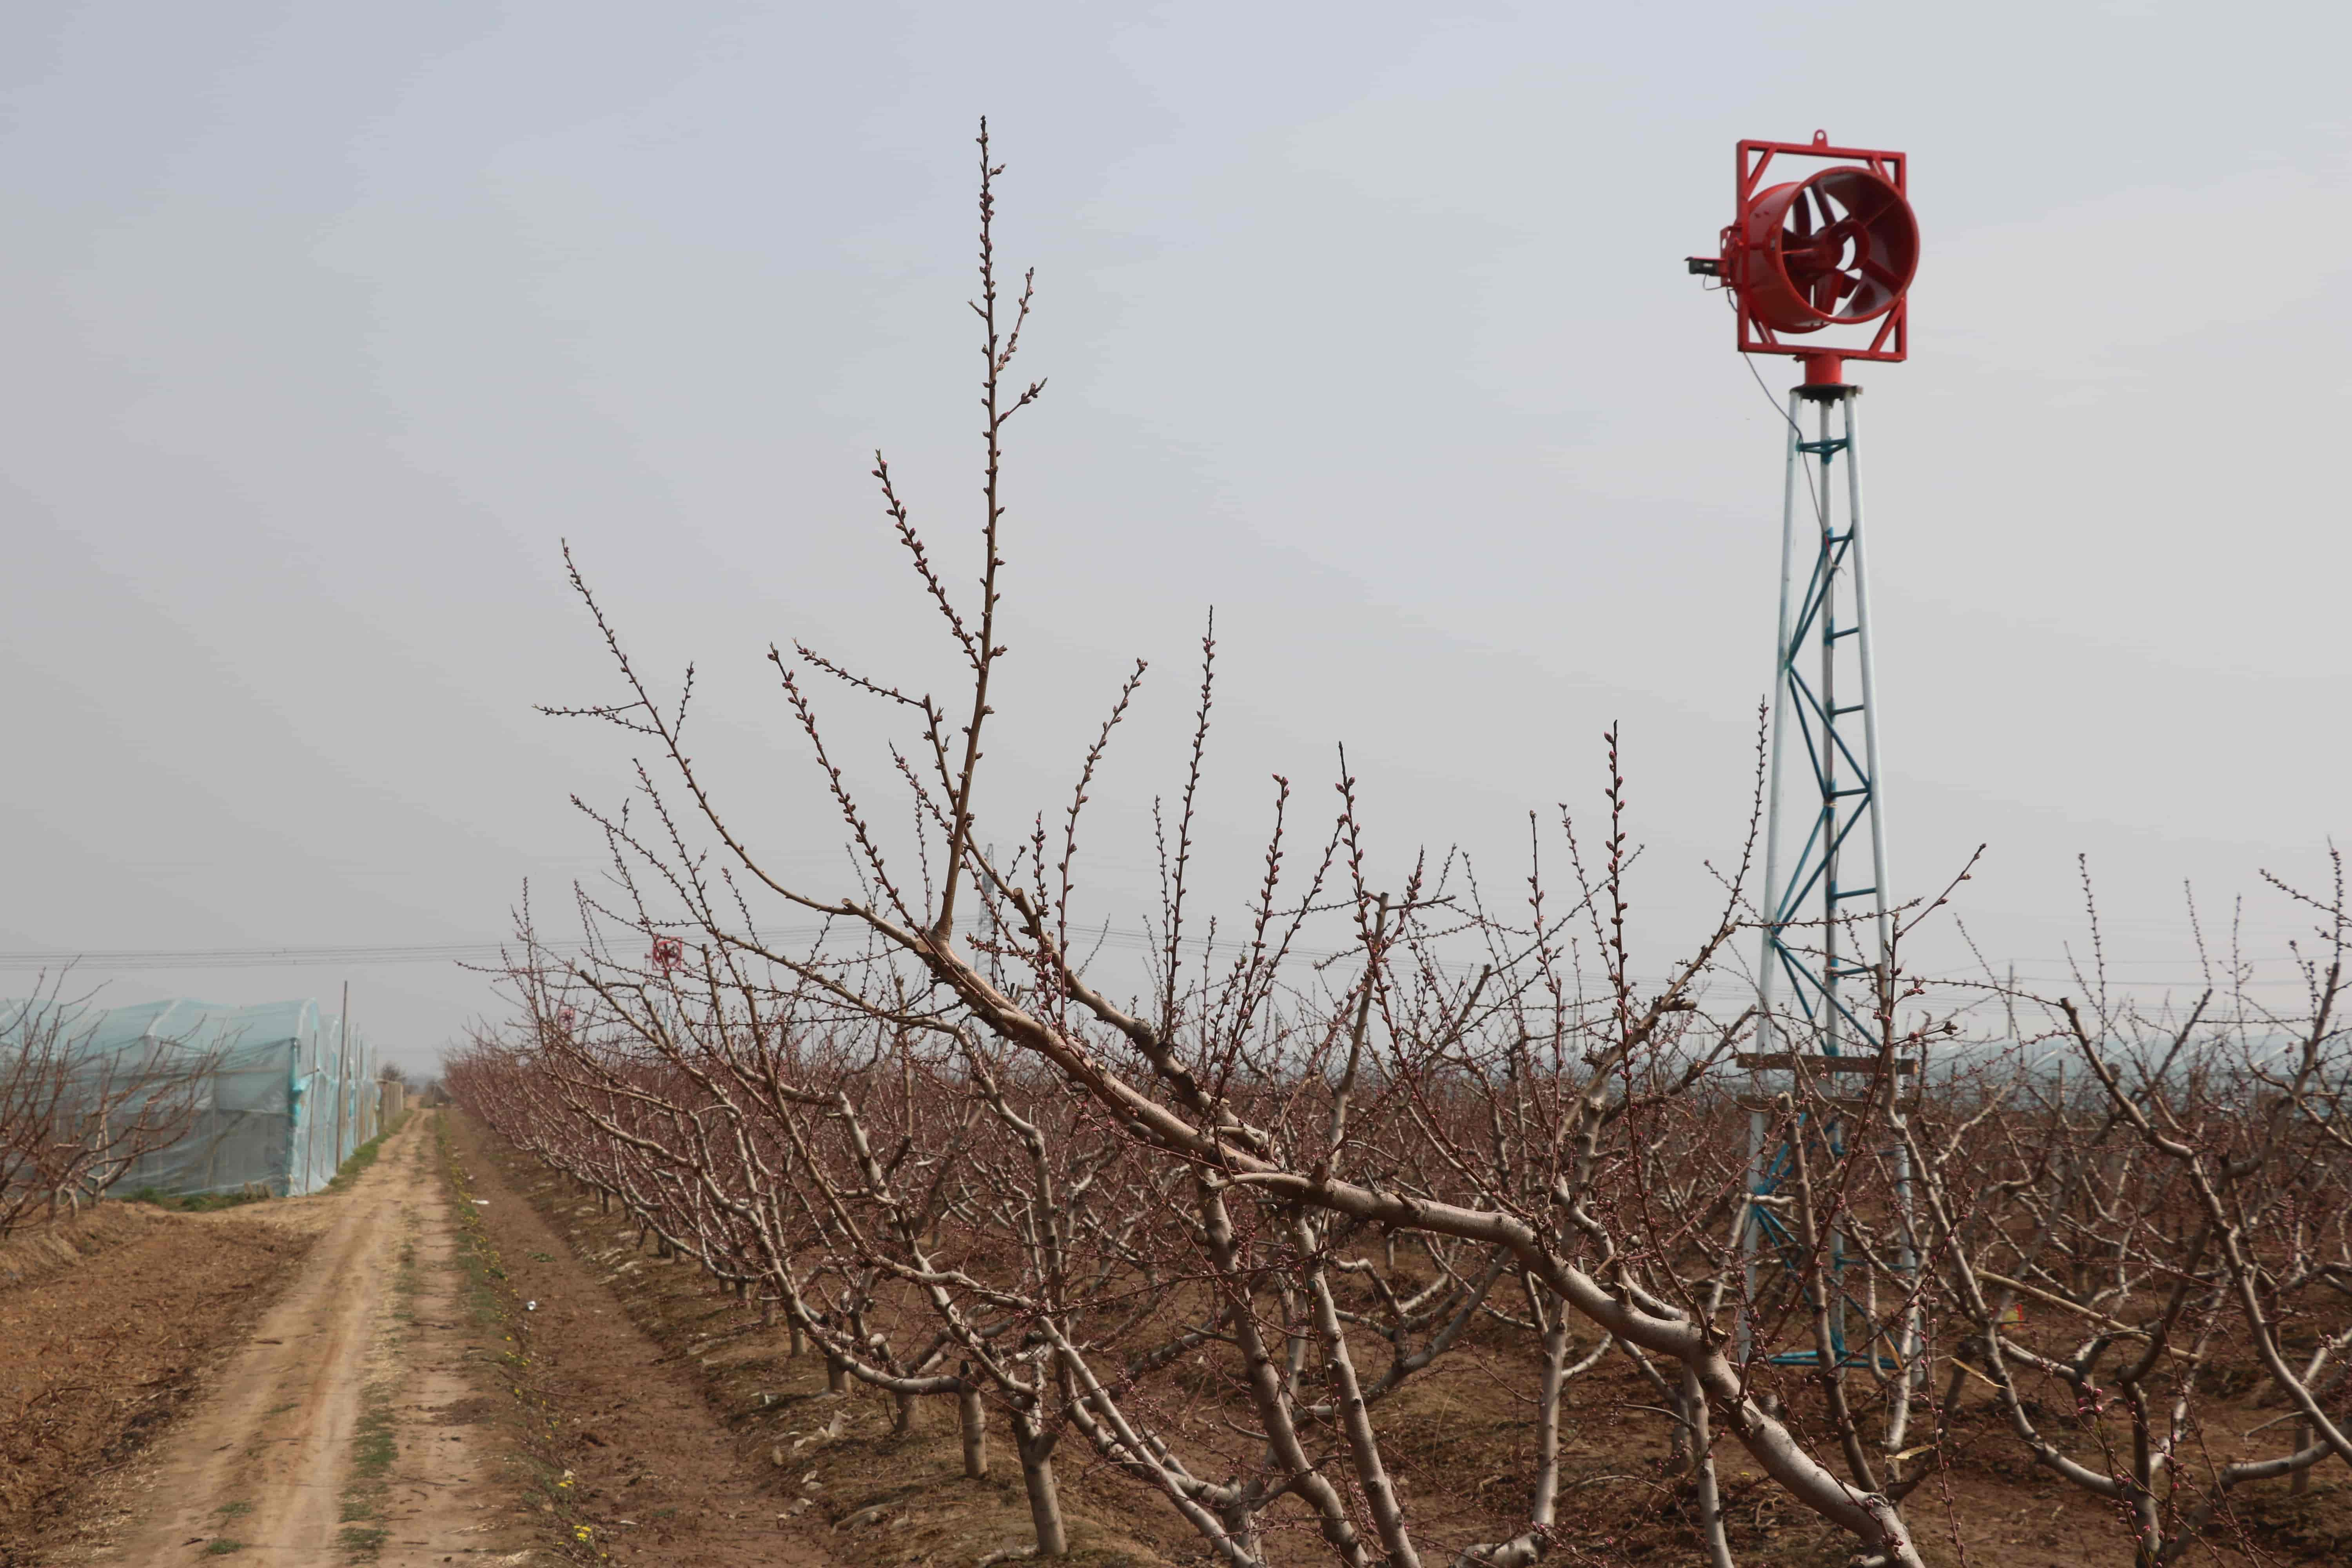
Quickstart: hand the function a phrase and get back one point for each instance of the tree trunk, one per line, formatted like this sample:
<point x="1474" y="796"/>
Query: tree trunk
<point x="1240" y="1527"/>
<point x="1702" y="1445"/>
<point x="1044" y="1501"/>
<point x="902" y="1418"/>
<point x="799" y="1346"/>
<point x="837" y="1376"/>
<point x="973" y="1420"/>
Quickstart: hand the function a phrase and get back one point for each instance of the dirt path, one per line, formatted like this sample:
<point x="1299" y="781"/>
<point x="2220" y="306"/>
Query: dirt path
<point x="421" y="1393"/>
<point x="328" y="1437"/>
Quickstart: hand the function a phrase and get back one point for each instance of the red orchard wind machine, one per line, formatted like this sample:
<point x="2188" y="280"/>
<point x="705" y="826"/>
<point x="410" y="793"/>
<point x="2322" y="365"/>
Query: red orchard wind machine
<point x="1826" y="247"/>
<point x="1818" y="260"/>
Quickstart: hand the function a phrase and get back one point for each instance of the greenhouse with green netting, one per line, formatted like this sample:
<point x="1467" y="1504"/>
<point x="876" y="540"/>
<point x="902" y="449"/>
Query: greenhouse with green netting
<point x="273" y="1097"/>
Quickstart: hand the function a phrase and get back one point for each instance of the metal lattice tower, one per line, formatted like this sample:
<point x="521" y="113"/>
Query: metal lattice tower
<point x="1817" y="262"/>
<point x="1825" y="966"/>
<point x="1816" y="770"/>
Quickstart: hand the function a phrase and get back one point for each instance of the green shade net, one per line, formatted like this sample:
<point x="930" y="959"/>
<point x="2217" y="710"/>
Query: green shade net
<point x="285" y="1095"/>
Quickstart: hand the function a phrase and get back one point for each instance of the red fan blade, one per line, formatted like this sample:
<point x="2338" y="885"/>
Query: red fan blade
<point x="1830" y="217"/>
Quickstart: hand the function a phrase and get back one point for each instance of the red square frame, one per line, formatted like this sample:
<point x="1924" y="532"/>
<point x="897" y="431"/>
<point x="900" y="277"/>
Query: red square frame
<point x="1890" y="342"/>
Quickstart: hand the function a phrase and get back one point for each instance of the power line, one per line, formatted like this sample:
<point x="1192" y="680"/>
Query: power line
<point x="258" y="957"/>
<point x="493" y="953"/>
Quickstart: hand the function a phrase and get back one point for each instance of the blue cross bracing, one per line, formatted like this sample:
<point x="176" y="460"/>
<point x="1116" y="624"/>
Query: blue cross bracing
<point x="1823" y="973"/>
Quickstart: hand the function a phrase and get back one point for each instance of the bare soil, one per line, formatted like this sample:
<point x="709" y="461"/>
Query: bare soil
<point x="1462" y="1449"/>
<point x="321" y="1436"/>
<point x="460" y="1358"/>
<point x="340" y="1388"/>
<point x="108" y="1322"/>
<point x="652" y="1477"/>
<point x="816" y="1468"/>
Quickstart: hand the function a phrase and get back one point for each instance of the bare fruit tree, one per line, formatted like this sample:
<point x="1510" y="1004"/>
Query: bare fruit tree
<point x="1211" y="1219"/>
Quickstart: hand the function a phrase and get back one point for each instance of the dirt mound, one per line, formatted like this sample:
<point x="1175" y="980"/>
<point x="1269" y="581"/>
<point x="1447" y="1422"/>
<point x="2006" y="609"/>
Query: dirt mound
<point x="42" y="1251"/>
<point x="104" y="1328"/>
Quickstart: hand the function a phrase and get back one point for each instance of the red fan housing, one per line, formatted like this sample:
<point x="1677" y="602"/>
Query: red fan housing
<point x="1825" y="248"/>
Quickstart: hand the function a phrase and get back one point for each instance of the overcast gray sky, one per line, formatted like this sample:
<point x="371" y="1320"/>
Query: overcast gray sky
<point x="1365" y="323"/>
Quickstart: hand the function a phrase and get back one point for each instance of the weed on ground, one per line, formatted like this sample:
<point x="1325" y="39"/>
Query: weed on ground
<point x="363" y="1541"/>
<point x="374" y="1436"/>
<point x="373" y="1449"/>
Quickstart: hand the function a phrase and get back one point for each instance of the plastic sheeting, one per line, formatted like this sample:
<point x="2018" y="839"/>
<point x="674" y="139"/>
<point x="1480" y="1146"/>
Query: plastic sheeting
<point x="286" y="1097"/>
